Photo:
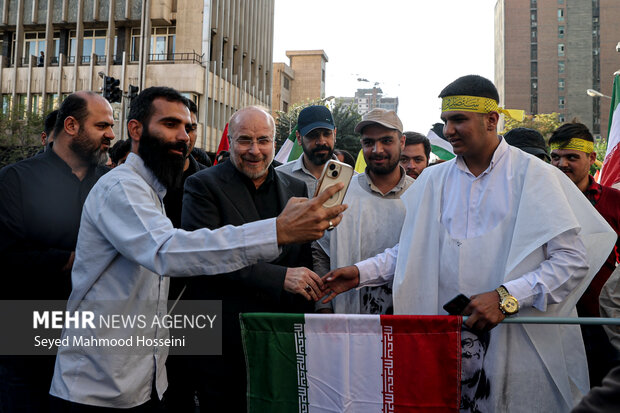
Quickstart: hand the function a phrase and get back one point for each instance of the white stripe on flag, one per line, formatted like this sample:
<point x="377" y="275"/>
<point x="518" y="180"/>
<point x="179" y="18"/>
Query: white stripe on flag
<point x="284" y="151"/>
<point x="438" y="141"/>
<point x="344" y="350"/>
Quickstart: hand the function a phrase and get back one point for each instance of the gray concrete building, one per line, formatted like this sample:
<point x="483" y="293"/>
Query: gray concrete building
<point x="369" y="99"/>
<point x="549" y="52"/>
<point x="216" y="52"/>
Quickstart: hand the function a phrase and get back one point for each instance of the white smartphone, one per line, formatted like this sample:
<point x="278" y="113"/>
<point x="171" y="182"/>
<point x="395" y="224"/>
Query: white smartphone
<point x="334" y="172"/>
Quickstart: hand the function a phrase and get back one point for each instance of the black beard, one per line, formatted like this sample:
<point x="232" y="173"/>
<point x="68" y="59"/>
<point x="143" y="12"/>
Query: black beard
<point x="318" y="159"/>
<point x="167" y="167"/>
<point x="87" y="150"/>
<point x="383" y="170"/>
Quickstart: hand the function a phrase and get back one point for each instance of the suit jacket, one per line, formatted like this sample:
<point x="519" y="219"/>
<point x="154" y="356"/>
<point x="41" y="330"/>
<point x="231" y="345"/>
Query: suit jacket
<point x="215" y="197"/>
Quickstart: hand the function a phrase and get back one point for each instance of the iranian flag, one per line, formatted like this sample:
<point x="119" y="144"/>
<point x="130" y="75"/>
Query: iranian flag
<point x="290" y="150"/>
<point x="610" y="173"/>
<point x="352" y="363"/>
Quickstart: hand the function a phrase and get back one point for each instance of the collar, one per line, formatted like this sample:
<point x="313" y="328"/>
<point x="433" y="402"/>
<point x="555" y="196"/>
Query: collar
<point x="594" y="189"/>
<point x="248" y="182"/>
<point x="399" y="186"/>
<point x="299" y="165"/>
<point x="137" y="164"/>
<point x="500" y="151"/>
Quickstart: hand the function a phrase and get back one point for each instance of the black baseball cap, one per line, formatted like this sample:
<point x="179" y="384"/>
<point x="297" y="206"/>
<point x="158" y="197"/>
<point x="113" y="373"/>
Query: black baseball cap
<point x="314" y="117"/>
<point x="528" y="140"/>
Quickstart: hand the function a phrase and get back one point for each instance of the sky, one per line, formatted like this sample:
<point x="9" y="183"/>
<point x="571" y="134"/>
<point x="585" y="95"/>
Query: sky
<point x="412" y="48"/>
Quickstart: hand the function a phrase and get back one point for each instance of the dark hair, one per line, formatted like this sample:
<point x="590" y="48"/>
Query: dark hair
<point x="201" y="157"/>
<point x="348" y="158"/>
<point x="119" y="150"/>
<point x="414" y="138"/>
<point x="75" y="106"/>
<point x="142" y="105"/>
<point x="564" y="133"/>
<point x="50" y="122"/>
<point x="471" y="85"/>
<point x="192" y="107"/>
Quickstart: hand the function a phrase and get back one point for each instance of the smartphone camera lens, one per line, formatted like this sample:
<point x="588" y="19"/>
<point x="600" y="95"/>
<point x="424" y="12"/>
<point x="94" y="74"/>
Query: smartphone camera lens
<point x="335" y="174"/>
<point x="332" y="167"/>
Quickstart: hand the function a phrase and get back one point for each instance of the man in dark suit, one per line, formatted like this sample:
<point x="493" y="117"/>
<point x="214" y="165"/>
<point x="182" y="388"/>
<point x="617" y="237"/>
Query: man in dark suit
<point x="245" y="189"/>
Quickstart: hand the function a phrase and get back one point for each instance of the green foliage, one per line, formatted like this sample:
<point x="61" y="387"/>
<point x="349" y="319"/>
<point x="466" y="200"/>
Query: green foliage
<point x="345" y="119"/>
<point x="545" y="123"/>
<point x="19" y="138"/>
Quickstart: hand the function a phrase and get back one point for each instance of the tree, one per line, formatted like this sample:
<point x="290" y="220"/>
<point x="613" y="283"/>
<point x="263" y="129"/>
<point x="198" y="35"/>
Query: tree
<point x="545" y="123"/>
<point x="19" y="138"/>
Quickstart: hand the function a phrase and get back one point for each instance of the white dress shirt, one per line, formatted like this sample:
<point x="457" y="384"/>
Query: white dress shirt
<point x="125" y="246"/>
<point x="473" y="205"/>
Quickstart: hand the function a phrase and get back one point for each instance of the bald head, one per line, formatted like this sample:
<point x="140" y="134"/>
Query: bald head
<point x="242" y="115"/>
<point x="76" y="106"/>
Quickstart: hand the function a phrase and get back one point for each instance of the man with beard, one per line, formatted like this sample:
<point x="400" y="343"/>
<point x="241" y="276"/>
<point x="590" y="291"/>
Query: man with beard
<point x="416" y="154"/>
<point x="245" y="189"/>
<point x="316" y="133"/>
<point x="510" y="232"/>
<point x="374" y="203"/>
<point x="174" y="196"/>
<point x="127" y="247"/>
<point x="572" y="151"/>
<point x="40" y="209"/>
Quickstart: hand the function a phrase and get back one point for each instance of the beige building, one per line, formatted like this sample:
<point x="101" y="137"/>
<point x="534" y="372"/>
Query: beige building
<point x="549" y="52"/>
<point x="216" y="52"/>
<point x="302" y="80"/>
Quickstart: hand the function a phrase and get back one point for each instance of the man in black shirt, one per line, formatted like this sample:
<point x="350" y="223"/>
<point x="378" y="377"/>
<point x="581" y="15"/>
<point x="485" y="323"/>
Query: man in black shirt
<point x="242" y="190"/>
<point x="40" y="210"/>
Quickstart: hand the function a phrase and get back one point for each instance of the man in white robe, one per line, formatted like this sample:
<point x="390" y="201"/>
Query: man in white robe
<point x="374" y="203"/>
<point x="496" y="222"/>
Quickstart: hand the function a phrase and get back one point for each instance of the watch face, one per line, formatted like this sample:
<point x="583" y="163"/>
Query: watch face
<point x="510" y="305"/>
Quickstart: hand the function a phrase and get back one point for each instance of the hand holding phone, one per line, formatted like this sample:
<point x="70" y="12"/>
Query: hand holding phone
<point x="334" y="172"/>
<point x="457" y="305"/>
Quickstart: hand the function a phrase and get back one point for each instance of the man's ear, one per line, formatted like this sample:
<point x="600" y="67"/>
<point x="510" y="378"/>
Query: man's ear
<point x="592" y="157"/>
<point x="134" y="127"/>
<point x="335" y="130"/>
<point x="402" y="141"/>
<point x="71" y="126"/>
<point x="492" y="121"/>
<point x="298" y="135"/>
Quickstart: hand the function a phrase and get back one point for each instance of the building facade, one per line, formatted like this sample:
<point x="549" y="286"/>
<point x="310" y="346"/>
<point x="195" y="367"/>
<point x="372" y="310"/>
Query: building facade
<point x="549" y="52"/>
<point x="369" y="99"/>
<point x="216" y="52"/>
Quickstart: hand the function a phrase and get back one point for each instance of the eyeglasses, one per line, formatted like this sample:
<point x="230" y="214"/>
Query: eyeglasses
<point x="246" y="143"/>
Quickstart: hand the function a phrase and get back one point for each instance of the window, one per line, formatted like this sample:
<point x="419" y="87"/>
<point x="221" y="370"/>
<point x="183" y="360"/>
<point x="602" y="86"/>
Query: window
<point x="561" y="49"/>
<point x="561" y="84"/>
<point x="286" y="83"/>
<point x="163" y="41"/>
<point x="323" y="75"/>
<point x="92" y="42"/>
<point x="534" y="69"/>
<point x="6" y="104"/>
<point x="562" y="118"/>
<point x="561" y="102"/>
<point x="561" y="67"/>
<point x="561" y="32"/>
<point x="560" y="15"/>
<point x="51" y="102"/>
<point x="284" y="107"/>
<point x="533" y="52"/>
<point x="534" y="34"/>
<point x="135" y="44"/>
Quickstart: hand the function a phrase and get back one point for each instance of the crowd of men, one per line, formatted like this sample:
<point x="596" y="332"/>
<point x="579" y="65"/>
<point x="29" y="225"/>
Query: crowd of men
<point x="501" y="226"/>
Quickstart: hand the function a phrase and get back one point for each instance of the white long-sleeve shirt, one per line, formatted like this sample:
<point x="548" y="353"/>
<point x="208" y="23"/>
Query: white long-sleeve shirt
<point x="125" y="246"/>
<point x="471" y="206"/>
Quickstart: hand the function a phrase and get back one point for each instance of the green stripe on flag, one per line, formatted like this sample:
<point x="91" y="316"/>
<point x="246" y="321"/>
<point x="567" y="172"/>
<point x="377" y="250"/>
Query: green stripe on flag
<point x="274" y="343"/>
<point x="441" y="153"/>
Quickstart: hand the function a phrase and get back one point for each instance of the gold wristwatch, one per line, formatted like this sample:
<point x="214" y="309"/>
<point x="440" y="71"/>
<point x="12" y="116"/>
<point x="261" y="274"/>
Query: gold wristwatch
<point x="507" y="303"/>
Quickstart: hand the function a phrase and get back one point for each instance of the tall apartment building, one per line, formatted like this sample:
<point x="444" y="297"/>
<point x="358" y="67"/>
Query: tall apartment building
<point x="369" y="99"/>
<point x="302" y="80"/>
<point x="549" y="52"/>
<point x="216" y="52"/>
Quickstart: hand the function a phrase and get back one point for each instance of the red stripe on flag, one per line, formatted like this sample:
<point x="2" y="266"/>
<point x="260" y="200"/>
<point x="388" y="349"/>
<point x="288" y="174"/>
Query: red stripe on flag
<point x="224" y="145"/>
<point x="611" y="167"/>
<point x="421" y="363"/>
